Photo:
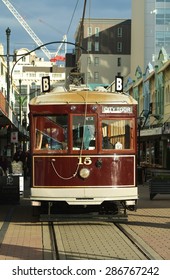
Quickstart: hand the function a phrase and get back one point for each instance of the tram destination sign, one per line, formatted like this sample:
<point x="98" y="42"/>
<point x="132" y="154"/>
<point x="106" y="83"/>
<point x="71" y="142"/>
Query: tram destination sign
<point x="117" y="109"/>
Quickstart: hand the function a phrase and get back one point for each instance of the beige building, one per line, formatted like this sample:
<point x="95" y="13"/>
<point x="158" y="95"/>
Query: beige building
<point x="106" y="50"/>
<point x="152" y="91"/>
<point x="137" y="36"/>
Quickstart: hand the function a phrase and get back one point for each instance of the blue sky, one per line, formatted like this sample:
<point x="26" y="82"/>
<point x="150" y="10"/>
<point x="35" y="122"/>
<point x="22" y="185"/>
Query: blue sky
<point x="52" y="19"/>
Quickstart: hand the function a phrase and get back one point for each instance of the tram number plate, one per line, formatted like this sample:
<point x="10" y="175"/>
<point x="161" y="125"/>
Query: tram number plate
<point x="85" y="161"/>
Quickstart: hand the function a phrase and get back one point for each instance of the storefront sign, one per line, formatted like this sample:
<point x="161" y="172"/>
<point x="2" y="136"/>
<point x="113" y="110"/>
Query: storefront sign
<point x="152" y="131"/>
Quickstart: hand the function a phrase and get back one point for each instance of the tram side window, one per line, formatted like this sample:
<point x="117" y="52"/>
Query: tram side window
<point x="117" y="134"/>
<point x="51" y="132"/>
<point x="83" y="132"/>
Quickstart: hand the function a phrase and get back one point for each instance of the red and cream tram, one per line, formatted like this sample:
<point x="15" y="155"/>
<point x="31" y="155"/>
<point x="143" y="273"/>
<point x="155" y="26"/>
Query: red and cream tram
<point x="83" y="147"/>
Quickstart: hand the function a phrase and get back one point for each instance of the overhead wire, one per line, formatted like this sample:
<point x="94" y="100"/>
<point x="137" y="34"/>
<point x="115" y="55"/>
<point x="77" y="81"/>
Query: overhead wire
<point x="72" y="17"/>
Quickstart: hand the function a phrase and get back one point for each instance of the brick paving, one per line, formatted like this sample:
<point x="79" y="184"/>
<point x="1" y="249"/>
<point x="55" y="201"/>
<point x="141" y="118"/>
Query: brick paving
<point x="151" y="222"/>
<point x="95" y="241"/>
<point x="23" y="239"/>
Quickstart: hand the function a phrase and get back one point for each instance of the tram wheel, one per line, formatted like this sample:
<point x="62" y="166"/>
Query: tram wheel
<point x="109" y="208"/>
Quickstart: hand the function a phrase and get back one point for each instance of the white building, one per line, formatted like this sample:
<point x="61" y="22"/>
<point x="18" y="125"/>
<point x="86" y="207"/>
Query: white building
<point x="27" y="75"/>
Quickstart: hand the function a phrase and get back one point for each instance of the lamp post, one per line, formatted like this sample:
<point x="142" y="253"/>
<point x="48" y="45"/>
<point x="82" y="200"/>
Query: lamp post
<point x="140" y="122"/>
<point x="8" y="32"/>
<point x="20" y="107"/>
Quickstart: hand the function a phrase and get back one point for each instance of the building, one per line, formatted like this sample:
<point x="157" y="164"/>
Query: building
<point x="27" y="77"/>
<point x="26" y="72"/>
<point x="8" y="118"/>
<point x="106" y="50"/>
<point x="152" y="91"/>
<point x="150" y="32"/>
<point x="149" y="79"/>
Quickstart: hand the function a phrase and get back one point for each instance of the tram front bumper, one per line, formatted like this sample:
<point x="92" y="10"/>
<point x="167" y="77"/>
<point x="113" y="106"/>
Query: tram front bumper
<point x="86" y="196"/>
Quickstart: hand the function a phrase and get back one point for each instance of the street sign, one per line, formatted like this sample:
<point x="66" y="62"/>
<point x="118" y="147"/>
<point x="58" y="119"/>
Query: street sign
<point x="14" y="137"/>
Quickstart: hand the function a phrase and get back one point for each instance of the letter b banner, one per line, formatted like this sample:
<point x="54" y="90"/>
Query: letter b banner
<point x="118" y="84"/>
<point x="45" y="84"/>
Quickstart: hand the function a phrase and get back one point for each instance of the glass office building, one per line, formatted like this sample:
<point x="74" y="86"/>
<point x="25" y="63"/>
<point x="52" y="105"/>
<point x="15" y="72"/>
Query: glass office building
<point x="150" y="31"/>
<point x="157" y="28"/>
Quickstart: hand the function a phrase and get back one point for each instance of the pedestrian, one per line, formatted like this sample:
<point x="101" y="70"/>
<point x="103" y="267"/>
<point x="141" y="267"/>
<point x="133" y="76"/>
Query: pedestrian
<point x="2" y="173"/>
<point x="20" y="156"/>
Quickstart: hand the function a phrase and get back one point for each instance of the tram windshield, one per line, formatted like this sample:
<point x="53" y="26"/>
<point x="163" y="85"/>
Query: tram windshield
<point x="83" y="132"/>
<point x="51" y="132"/>
<point x="117" y="134"/>
<point x="63" y="134"/>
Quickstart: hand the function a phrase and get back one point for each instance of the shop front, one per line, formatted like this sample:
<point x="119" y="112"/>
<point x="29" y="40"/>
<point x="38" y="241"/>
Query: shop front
<point x="152" y="148"/>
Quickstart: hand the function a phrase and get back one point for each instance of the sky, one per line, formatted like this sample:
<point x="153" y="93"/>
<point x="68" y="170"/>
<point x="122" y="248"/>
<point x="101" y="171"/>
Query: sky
<point x="52" y="19"/>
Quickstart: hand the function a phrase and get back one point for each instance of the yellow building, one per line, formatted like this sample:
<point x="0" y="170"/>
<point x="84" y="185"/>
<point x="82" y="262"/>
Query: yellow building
<point x="152" y="91"/>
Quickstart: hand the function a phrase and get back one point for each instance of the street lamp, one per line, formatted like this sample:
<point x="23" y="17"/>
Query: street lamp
<point x="8" y="32"/>
<point x="140" y="124"/>
<point x="20" y="100"/>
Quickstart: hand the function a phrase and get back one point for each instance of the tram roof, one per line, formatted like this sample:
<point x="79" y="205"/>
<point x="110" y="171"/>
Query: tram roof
<point x="83" y="97"/>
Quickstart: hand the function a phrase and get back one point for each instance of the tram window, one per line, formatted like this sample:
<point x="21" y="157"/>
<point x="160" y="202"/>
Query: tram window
<point x="83" y="132"/>
<point x="117" y="134"/>
<point x="51" y="132"/>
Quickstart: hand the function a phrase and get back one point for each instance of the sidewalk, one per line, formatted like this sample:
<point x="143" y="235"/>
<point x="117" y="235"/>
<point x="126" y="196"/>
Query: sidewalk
<point x="20" y="232"/>
<point x="151" y="221"/>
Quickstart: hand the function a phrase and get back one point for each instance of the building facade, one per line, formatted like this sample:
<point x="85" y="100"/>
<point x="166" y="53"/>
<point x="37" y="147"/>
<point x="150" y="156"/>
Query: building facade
<point x="150" y="32"/>
<point x="152" y="91"/>
<point x="106" y="50"/>
<point x="27" y="77"/>
<point x="26" y="73"/>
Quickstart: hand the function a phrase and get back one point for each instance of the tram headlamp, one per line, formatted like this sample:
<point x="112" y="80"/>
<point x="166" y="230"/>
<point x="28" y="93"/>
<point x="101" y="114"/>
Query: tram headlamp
<point x="73" y="108"/>
<point x="84" y="173"/>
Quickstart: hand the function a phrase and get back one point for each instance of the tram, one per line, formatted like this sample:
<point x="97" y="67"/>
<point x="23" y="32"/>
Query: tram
<point x="84" y="147"/>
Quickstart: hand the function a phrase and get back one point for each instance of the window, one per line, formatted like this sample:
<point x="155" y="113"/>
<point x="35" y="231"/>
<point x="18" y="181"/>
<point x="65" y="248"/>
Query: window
<point x="89" y="46"/>
<point x="119" y="61"/>
<point x="83" y="132"/>
<point x="88" y="76"/>
<point x="31" y="74"/>
<point x="119" y="32"/>
<point x="96" y="77"/>
<point x="96" y="46"/>
<point x="89" y="31"/>
<point x="97" y="29"/>
<point x="23" y="59"/>
<point x="51" y="132"/>
<point x="89" y="60"/>
<point x="22" y="89"/>
<point x="117" y="134"/>
<point x="119" y="46"/>
<point x="96" y="61"/>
